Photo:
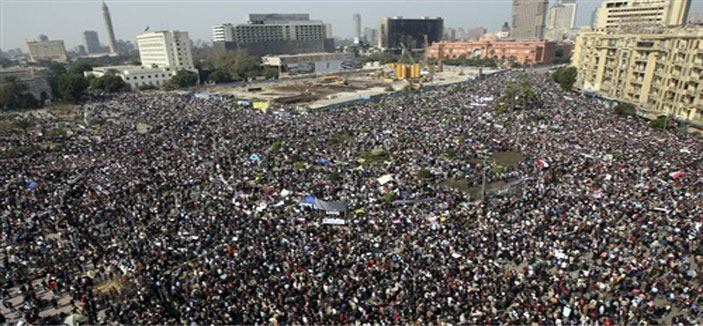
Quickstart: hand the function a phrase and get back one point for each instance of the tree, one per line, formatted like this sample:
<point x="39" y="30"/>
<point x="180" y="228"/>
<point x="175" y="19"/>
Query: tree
<point x="23" y="124"/>
<point x="519" y="92"/>
<point x="71" y="87"/>
<point x="237" y="64"/>
<point x="109" y="82"/>
<point x="13" y="95"/>
<point x="625" y="109"/>
<point x="566" y="77"/>
<point x="661" y="122"/>
<point x="184" y="78"/>
<point x="271" y="73"/>
<point x="220" y="76"/>
<point x="79" y="68"/>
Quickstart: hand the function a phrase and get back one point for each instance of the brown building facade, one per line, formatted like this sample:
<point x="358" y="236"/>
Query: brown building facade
<point x="531" y="52"/>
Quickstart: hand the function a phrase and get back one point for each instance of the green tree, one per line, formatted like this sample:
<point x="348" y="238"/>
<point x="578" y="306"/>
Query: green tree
<point x="13" y="95"/>
<point x="79" y="68"/>
<point x="270" y="73"/>
<point x="519" y="92"/>
<point x="220" y="76"/>
<point x="566" y="77"/>
<point x="661" y="122"/>
<point x="23" y="124"/>
<point x="71" y="87"/>
<point x="184" y="78"/>
<point x="112" y="83"/>
<point x="625" y="109"/>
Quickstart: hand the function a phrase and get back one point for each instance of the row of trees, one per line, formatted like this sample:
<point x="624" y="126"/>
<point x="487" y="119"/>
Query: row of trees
<point x="13" y="96"/>
<point x="474" y="62"/>
<point x="229" y="66"/>
<point x="519" y="93"/>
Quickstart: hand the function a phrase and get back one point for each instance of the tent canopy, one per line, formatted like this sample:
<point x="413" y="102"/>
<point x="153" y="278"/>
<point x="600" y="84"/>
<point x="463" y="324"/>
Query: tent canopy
<point x="330" y="206"/>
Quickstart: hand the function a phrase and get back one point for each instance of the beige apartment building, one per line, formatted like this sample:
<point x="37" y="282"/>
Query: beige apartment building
<point x="660" y="71"/>
<point x="616" y="14"/>
<point x="47" y="50"/>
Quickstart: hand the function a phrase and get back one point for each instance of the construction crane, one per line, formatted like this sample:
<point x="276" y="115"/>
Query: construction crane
<point x="406" y="53"/>
<point x="428" y="67"/>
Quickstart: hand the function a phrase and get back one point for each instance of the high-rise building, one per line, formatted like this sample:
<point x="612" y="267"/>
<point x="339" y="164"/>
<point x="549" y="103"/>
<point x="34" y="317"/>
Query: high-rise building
<point x="505" y="27"/>
<point x="696" y="17"/>
<point x="616" y="14"/>
<point x="449" y="34"/>
<point x="475" y="33"/>
<point x="46" y="50"/>
<point x="91" y="42"/>
<point x="357" y="28"/>
<point x="410" y="32"/>
<point x="222" y="33"/>
<point x="280" y="34"/>
<point x="561" y="20"/>
<point x="658" y="70"/>
<point x="529" y="18"/>
<point x="328" y="30"/>
<point x="370" y="35"/>
<point x="165" y="49"/>
<point x="110" y="32"/>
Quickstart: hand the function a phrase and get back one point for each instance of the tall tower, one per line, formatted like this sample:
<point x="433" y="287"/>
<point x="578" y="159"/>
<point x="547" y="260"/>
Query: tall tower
<point x="357" y="28"/>
<point x="110" y="32"/>
<point x="529" y="18"/>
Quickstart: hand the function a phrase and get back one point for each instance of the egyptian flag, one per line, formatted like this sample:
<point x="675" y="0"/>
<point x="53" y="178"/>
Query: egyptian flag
<point x="676" y="175"/>
<point x="542" y="164"/>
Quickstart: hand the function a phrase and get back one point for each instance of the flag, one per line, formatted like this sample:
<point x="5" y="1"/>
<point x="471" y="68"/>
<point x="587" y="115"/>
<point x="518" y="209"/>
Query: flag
<point x="542" y="164"/>
<point x="676" y="174"/>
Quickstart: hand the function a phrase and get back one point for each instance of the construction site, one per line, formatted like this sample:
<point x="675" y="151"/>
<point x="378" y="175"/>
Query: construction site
<point x="324" y="89"/>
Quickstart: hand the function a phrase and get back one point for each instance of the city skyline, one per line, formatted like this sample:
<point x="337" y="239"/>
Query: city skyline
<point x="197" y="17"/>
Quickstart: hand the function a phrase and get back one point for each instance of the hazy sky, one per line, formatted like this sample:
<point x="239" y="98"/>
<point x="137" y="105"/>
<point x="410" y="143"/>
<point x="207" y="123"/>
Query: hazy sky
<point x="67" y="19"/>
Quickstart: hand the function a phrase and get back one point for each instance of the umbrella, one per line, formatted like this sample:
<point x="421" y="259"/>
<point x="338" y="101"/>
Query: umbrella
<point x="75" y="320"/>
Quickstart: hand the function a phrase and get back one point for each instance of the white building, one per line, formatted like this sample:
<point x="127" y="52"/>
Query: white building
<point x="276" y="27"/>
<point x="163" y="54"/>
<point x="137" y="76"/>
<point x="561" y="20"/>
<point x="223" y="33"/>
<point x="165" y="49"/>
<point x="616" y="14"/>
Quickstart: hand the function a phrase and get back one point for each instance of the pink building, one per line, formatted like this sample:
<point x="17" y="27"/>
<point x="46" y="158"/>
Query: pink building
<point x="532" y="52"/>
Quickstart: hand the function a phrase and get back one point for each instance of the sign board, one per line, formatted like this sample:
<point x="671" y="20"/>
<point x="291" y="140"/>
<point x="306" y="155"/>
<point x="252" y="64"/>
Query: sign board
<point x="261" y="105"/>
<point x="333" y="221"/>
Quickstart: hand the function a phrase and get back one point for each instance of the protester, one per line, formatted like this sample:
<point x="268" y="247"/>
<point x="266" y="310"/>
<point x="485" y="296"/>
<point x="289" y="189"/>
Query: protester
<point x="169" y="209"/>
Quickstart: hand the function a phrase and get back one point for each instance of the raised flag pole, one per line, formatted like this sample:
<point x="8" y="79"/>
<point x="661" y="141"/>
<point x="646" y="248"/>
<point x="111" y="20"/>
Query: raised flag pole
<point x="483" y="182"/>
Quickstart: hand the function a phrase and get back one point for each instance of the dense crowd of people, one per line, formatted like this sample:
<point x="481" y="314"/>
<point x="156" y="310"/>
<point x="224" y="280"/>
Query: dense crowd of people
<point x="197" y="220"/>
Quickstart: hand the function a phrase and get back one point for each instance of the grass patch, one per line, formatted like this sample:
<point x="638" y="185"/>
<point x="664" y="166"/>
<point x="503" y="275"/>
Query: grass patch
<point x="389" y="197"/>
<point x="275" y="147"/>
<point x="451" y="117"/>
<point x="55" y="132"/>
<point x="424" y="174"/>
<point x="497" y="169"/>
<point x="450" y="154"/>
<point x="300" y="165"/>
<point x="376" y="155"/>
<point x="21" y="151"/>
<point x="334" y="176"/>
